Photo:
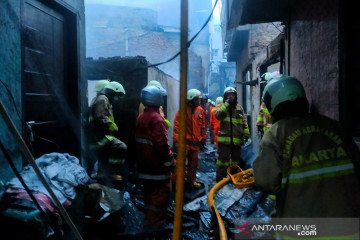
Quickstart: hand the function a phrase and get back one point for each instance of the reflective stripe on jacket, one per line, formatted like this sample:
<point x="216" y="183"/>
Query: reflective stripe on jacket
<point x="240" y="129"/>
<point x="196" y="131"/>
<point x="101" y="118"/>
<point x="312" y="167"/>
<point x="264" y="118"/>
<point x="154" y="155"/>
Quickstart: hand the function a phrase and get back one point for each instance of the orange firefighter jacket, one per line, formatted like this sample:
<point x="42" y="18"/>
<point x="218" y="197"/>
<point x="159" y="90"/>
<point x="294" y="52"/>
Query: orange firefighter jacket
<point x="214" y="122"/>
<point x="195" y="131"/>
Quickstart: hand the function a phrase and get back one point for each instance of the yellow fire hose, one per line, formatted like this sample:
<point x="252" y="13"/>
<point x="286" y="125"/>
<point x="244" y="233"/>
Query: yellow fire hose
<point x="222" y="230"/>
<point x="241" y="179"/>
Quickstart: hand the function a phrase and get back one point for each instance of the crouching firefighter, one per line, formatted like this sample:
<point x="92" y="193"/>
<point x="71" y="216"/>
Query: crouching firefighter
<point x="110" y="151"/>
<point x="155" y="159"/>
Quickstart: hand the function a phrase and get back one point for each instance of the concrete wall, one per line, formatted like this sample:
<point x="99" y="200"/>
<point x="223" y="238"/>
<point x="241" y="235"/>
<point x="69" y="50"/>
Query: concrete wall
<point x="314" y="54"/>
<point x="10" y="72"/>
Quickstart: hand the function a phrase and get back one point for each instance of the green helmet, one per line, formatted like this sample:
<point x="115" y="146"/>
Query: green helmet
<point x="116" y="87"/>
<point x="193" y="93"/>
<point x="100" y="84"/>
<point x="154" y="83"/>
<point x="281" y="89"/>
<point x="219" y="100"/>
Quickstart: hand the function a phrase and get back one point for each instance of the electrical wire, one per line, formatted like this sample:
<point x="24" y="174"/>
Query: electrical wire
<point x="187" y="45"/>
<point x="277" y="27"/>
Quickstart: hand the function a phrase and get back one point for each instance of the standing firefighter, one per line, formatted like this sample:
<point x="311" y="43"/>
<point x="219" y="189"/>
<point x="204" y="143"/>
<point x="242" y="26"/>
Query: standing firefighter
<point x="264" y="120"/>
<point x="195" y="133"/>
<point x="142" y="107"/>
<point x="110" y="150"/>
<point x="214" y="122"/>
<point x="155" y="160"/>
<point x="233" y="132"/>
<point x="306" y="159"/>
<point x="211" y="128"/>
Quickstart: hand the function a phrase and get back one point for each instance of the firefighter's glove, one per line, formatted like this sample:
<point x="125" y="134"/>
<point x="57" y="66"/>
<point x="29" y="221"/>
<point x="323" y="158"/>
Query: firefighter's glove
<point x="226" y="103"/>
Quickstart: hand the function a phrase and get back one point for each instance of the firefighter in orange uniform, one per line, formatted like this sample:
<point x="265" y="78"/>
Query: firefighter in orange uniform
<point x="214" y="122"/>
<point x="195" y="133"/>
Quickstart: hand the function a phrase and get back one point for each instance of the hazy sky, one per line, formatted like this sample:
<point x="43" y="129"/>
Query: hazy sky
<point x="168" y="10"/>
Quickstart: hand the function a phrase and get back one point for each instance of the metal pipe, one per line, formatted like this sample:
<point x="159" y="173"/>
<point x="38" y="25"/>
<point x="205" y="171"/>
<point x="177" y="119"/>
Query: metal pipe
<point x="25" y="150"/>
<point x="222" y="230"/>
<point x="180" y="165"/>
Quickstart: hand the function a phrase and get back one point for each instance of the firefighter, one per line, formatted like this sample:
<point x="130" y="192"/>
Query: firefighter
<point x="195" y="133"/>
<point x="264" y="120"/>
<point x="211" y="128"/>
<point x="306" y="159"/>
<point x="155" y="159"/>
<point x="233" y="132"/>
<point x="110" y="150"/>
<point x="205" y="105"/>
<point x="142" y="107"/>
<point x="214" y="123"/>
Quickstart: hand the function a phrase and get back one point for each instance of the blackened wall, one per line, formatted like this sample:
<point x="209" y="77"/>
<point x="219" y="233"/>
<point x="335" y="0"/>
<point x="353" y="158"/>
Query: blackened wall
<point x="10" y="74"/>
<point x="314" y="52"/>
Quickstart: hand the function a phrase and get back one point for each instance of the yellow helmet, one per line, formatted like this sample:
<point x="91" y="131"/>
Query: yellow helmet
<point x="116" y="87"/>
<point x="100" y="84"/>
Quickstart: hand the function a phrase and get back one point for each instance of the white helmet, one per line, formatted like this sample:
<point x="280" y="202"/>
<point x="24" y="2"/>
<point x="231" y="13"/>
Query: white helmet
<point x="116" y="87"/>
<point x="193" y="93"/>
<point x="100" y="84"/>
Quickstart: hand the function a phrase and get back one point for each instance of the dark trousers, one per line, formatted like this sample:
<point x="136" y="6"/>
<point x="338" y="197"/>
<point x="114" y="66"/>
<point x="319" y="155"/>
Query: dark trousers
<point x="156" y="200"/>
<point x="228" y="155"/>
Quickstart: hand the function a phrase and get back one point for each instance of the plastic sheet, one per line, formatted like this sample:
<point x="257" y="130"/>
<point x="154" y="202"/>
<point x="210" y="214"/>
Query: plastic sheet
<point x="247" y="154"/>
